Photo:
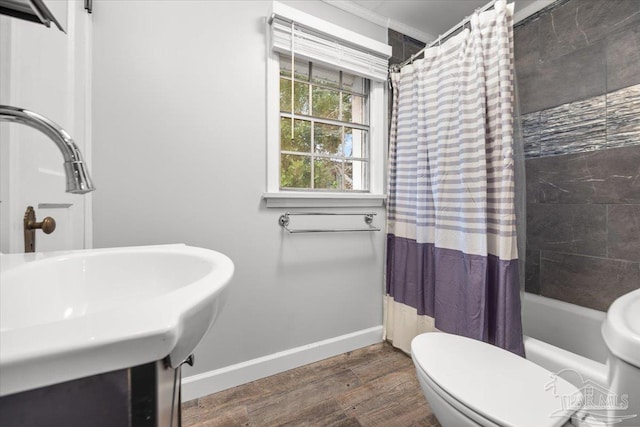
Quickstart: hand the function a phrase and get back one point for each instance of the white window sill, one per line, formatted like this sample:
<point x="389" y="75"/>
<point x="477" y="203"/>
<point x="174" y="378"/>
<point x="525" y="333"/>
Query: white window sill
<point x="322" y="200"/>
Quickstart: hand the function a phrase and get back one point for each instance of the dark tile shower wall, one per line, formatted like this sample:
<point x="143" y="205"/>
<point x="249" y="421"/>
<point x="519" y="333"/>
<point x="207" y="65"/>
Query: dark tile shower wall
<point x="402" y="46"/>
<point x="578" y="71"/>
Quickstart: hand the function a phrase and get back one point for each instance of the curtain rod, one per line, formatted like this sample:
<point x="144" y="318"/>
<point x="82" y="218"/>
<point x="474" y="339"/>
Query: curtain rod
<point x="442" y="37"/>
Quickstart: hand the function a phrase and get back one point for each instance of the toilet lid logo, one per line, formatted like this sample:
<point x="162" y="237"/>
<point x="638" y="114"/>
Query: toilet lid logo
<point x="592" y="402"/>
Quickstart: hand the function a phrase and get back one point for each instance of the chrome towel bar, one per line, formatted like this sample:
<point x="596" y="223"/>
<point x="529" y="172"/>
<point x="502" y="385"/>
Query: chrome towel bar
<point x="368" y="219"/>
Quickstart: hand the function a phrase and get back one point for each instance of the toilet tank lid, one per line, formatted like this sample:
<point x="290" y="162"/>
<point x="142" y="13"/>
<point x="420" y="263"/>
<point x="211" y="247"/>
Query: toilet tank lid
<point x="500" y="386"/>
<point x="621" y="328"/>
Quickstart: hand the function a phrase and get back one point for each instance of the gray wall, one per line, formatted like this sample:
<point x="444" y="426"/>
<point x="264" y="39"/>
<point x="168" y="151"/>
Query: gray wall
<point x="179" y="152"/>
<point x="578" y="70"/>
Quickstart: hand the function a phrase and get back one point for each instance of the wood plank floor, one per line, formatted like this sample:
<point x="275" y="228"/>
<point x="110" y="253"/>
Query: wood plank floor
<point x="373" y="386"/>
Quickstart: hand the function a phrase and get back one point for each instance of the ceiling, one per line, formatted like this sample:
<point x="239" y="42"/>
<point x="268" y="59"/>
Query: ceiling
<point x="425" y="19"/>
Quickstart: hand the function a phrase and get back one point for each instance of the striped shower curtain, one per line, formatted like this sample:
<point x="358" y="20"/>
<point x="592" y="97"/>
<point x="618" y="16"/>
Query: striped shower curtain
<point x="452" y="259"/>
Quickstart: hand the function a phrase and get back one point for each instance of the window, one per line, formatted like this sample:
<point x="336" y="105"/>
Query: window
<point x="324" y="128"/>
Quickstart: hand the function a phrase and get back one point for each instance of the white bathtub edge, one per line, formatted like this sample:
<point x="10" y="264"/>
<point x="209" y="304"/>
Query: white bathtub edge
<point x="565" y="325"/>
<point x="210" y="382"/>
<point x="555" y="359"/>
<point x="584" y="312"/>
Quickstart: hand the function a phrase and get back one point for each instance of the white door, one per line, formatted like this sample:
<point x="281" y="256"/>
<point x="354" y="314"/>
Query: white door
<point x="47" y="71"/>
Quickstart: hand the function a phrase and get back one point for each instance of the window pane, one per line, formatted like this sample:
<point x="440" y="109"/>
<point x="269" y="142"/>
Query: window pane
<point x="301" y="97"/>
<point x="325" y="76"/>
<point x="346" y="107"/>
<point x="353" y="83"/>
<point x="354" y="109"/>
<point x="355" y="175"/>
<point x="285" y="95"/>
<point x="327" y="174"/>
<point x="302" y="68"/>
<point x="295" y="171"/>
<point x="326" y="103"/>
<point x="355" y="143"/>
<point x="301" y="141"/>
<point x="327" y="139"/>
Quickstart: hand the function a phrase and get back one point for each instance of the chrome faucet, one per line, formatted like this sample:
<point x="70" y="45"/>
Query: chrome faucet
<point x="78" y="179"/>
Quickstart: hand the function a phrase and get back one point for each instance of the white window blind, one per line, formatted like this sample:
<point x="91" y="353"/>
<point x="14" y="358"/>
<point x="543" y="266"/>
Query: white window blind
<point x="323" y="42"/>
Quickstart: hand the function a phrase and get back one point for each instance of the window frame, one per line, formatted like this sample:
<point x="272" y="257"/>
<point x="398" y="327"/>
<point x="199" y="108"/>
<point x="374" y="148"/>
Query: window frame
<point x="274" y="196"/>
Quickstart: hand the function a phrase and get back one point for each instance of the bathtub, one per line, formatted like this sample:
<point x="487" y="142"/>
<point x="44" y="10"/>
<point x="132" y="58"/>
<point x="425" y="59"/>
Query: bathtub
<point x="559" y="336"/>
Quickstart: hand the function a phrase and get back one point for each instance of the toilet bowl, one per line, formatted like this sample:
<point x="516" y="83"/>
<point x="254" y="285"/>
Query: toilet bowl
<point x="472" y="383"/>
<point x="621" y="333"/>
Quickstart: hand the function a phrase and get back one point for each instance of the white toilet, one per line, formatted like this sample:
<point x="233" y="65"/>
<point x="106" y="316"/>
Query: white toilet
<point x="471" y="383"/>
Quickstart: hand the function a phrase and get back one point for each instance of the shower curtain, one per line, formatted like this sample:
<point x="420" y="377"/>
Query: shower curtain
<point x="452" y="258"/>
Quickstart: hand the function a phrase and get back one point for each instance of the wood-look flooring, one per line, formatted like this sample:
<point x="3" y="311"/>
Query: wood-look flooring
<point x="372" y="386"/>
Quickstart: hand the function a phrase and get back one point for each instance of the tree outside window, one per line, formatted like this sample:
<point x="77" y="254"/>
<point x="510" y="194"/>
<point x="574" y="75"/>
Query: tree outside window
<point x="324" y="128"/>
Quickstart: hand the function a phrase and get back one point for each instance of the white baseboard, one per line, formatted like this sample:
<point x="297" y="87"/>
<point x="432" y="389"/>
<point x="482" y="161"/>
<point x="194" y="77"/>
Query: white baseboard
<point x="231" y="376"/>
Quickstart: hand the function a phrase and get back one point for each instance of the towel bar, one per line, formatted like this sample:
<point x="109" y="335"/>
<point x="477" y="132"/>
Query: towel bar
<point x="368" y="219"/>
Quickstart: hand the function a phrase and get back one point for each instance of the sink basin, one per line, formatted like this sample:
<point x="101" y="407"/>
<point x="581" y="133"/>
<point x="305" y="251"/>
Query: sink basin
<point x="68" y="315"/>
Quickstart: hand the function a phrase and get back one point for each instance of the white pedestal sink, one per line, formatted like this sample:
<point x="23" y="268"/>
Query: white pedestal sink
<point x="68" y="315"/>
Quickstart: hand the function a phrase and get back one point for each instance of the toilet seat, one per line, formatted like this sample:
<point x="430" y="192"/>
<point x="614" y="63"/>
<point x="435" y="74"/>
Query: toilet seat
<point x="498" y="386"/>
